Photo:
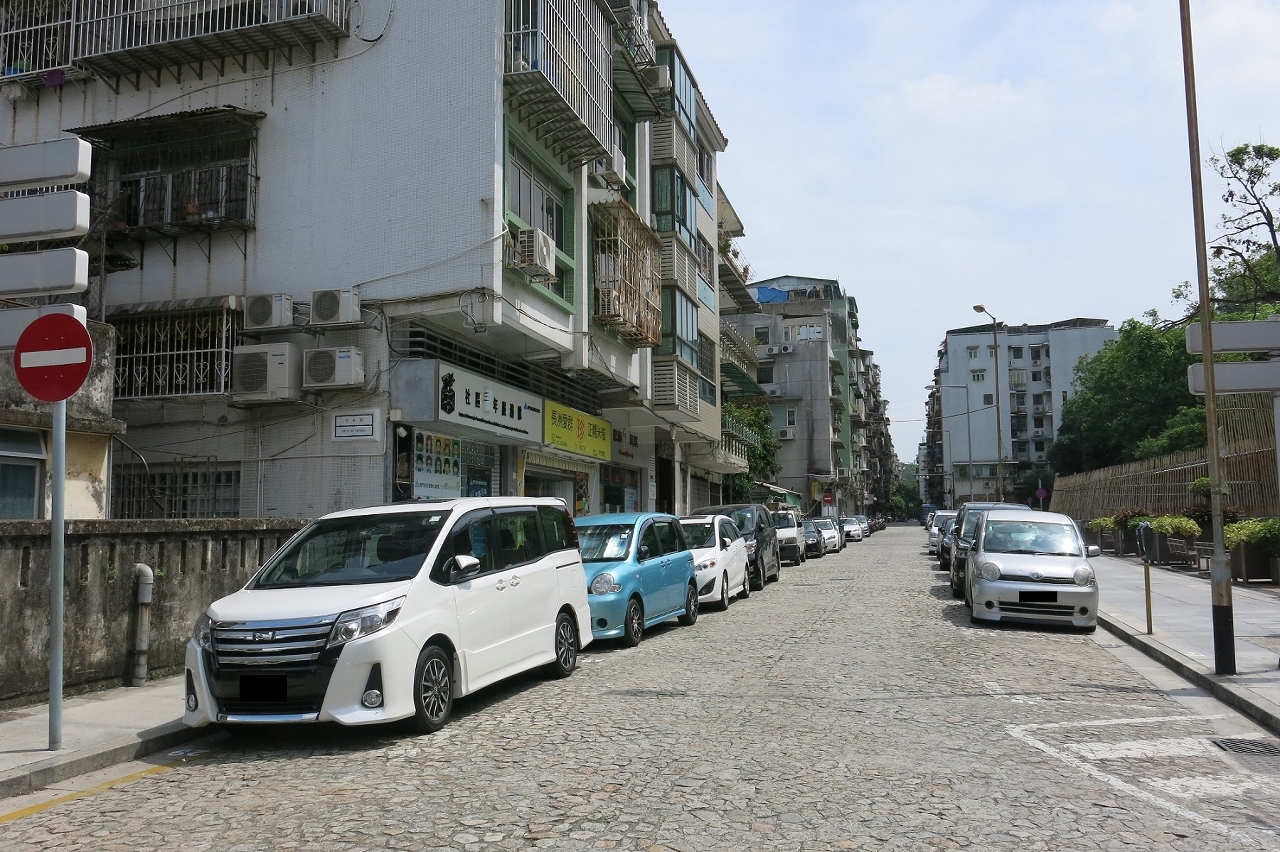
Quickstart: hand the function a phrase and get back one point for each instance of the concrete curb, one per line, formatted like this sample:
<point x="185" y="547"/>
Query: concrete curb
<point x="1241" y="699"/>
<point x="60" y="767"/>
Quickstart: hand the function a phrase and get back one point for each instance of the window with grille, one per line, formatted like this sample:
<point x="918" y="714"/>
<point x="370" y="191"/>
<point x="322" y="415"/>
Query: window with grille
<point x="184" y="488"/>
<point x="978" y="376"/>
<point x="176" y="354"/>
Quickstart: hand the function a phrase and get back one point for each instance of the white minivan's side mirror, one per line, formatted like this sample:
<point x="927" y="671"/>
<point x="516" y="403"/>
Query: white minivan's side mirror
<point x="1093" y="550"/>
<point x="464" y="566"/>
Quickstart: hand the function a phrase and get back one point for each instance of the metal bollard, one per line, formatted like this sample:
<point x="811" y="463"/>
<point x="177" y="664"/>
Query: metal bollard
<point x="141" y="637"/>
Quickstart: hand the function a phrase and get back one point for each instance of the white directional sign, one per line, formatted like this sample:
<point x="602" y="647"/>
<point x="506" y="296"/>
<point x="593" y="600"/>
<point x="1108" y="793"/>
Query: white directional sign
<point x="50" y="216"/>
<point x="44" y="273"/>
<point x="1237" y="377"/>
<point x="1249" y="336"/>
<point x="14" y="321"/>
<point x="55" y="163"/>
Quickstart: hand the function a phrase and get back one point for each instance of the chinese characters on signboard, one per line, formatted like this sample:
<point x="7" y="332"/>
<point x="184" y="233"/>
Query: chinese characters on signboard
<point x="576" y="432"/>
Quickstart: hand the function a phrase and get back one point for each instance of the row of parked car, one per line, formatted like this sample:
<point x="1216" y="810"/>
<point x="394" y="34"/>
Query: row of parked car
<point x="392" y="612"/>
<point x="1009" y="563"/>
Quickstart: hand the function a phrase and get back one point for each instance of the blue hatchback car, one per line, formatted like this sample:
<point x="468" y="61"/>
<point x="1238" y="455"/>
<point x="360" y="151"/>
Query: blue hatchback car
<point x="639" y="573"/>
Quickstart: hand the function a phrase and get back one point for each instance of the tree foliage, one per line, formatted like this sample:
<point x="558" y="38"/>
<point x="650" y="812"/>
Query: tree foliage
<point x="1125" y="393"/>
<point x="762" y="459"/>
<point x="1247" y="275"/>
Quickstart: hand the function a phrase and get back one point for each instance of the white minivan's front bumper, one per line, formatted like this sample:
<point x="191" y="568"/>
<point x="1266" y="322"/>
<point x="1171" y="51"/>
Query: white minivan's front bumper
<point x="392" y="650"/>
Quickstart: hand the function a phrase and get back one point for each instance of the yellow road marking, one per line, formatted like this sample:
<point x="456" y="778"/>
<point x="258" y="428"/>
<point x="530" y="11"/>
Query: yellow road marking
<point x="92" y="791"/>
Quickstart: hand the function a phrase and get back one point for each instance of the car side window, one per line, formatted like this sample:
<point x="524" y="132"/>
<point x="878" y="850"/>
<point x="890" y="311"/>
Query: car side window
<point x="649" y="539"/>
<point x="518" y="538"/>
<point x="669" y="536"/>
<point x="727" y="531"/>
<point x="472" y="535"/>
<point x="557" y="530"/>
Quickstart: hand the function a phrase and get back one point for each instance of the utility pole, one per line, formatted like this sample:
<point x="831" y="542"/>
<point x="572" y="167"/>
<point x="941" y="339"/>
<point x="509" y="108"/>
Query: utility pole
<point x="1224" y="640"/>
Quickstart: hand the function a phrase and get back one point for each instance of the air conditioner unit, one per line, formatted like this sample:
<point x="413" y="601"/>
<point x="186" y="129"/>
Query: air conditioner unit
<point x="788" y="433"/>
<point x="342" y="367"/>
<point x="607" y="302"/>
<point x="771" y="350"/>
<point x="1039" y="456"/>
<point x="331" y="307"/>
<point x="536" y="253"/>
<point x="266" y="372"/>
<point x="270" y="311"/>
<point x="775" y="391"/>
<point x="1038" y="409"/>
<point x="658" y="77"/>
<point x="986" y="483"/>
<point x="615" y="168"/>
<point x="1038" y="433"/>
<point x="786" y="348"/>
<point x="842" y="472"/>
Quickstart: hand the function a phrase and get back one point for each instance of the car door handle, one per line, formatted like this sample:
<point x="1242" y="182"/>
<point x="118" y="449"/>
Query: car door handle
<point x="500" y="585"/>
<point x="515" y="581"/>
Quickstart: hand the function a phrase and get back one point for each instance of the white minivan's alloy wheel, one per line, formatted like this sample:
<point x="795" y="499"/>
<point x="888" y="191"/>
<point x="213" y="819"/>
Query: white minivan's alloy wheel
<point x="433" y="689"/>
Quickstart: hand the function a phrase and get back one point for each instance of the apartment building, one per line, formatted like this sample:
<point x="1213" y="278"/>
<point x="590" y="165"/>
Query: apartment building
<point x="823" y="390"/>
<point x="996" y="401"/>
<point x="358" y="252"/>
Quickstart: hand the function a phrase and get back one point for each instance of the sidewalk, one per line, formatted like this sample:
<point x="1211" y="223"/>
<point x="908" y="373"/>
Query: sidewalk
<point x="1183" y="632"/>
<point x="98" y="730"/>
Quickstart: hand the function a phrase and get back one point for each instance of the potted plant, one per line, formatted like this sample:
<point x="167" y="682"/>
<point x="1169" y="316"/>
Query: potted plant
<point x="1252" y="544"/>
<point x="1102" y="532"/>
<point x="1127" y="535"/>
<point x="1175" y="528"/>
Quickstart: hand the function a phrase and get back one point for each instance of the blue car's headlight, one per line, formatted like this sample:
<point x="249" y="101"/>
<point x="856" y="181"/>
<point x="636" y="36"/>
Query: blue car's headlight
<point x="604" y="584"/>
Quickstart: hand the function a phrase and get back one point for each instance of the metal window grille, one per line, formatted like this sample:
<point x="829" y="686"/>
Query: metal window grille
<point x="196" y="487"/>
<point x="35" y="37"/>
<point x="176" y="354"/>
<point x="625" y="260"/>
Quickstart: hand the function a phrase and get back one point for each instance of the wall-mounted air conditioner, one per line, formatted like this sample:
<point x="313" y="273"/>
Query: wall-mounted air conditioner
<point x="786" y="348"/>
<point x="787" y="433"/>
<point x="274" y="310"/>
<point x="771" y="350"/>
<point x="341" y="367"/>
<point x="1037" y="433"/>
<point x="536" y="253"/>
<point x="658" y="77"/>
<point x="615" y="168"/>
<point x="1039" y="456"/>
<point x="775" y="391"/>
<point x="331" y="307"/>
<point x="266" y="372"/>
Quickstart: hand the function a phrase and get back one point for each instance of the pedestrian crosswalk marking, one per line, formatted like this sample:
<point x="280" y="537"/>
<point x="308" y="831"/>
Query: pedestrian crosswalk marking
<point x="1205" y="786"/>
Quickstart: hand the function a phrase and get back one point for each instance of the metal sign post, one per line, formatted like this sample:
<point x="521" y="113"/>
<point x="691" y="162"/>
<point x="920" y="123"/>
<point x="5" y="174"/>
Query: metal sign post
<point x="57" y="563"/>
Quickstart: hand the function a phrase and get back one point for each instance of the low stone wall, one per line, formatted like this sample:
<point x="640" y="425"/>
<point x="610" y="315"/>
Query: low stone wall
<point x="195" y="562"/>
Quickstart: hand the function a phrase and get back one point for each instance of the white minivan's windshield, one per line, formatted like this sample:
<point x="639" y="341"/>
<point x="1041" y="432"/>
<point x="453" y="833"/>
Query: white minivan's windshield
<point x="355" y="551"/>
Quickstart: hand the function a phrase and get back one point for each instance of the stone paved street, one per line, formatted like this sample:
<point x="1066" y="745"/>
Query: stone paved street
<point x="849" y="706"/>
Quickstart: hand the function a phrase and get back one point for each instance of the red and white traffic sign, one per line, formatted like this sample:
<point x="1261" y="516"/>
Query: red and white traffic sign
<point x="53" y="357"/>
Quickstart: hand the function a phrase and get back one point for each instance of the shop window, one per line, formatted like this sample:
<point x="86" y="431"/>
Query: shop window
<point x="619" y="489"/>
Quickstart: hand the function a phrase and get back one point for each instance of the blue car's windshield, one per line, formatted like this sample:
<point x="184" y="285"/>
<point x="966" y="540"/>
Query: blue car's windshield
<point x="605" y="542"/>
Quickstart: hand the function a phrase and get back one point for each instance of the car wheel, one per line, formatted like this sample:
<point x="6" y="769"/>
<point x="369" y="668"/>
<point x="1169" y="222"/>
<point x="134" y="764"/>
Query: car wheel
<point x="690" y="615"/>
<point x="745" y="592"/>
<point x="633" y="624"/>
<point x="777" y="566"/>
<point x="432" y="689"/>
<point x="956" y="591"/>
<point x="566" y="647"/>
<point x="724" y="592"/>
<point x="757" y="577"/>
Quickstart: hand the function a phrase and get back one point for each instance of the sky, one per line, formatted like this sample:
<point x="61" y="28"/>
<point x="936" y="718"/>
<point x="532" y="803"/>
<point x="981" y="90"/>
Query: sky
<point x="1030" y="155"/>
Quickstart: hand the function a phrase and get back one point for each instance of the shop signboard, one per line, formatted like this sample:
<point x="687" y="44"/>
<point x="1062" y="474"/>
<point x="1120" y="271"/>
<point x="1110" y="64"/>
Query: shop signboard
<point x="437" y="465"/>
<point x="577" y="432"/>
<point x="478" y="402"/>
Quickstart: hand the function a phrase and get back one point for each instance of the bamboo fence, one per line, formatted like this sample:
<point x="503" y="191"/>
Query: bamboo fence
<point x="1160" y="485"/>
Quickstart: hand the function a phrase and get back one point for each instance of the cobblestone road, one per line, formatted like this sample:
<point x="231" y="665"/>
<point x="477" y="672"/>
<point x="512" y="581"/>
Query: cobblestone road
<point x="849" y="706"/>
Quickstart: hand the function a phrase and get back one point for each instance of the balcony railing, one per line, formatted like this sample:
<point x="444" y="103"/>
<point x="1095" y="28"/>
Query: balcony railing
<point x="559" y="72"/>
<point x="627" y="258"/>
<point x="728" y="455"/>
<point x="736" y="349"/>
<point x="35" y="39"/>
<point x="633" y="29"/>
<point x="732" y="427"/>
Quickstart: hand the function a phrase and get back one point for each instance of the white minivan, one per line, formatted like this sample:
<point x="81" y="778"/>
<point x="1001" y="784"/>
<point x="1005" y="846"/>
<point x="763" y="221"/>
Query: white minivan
<point x="392" y="612"/>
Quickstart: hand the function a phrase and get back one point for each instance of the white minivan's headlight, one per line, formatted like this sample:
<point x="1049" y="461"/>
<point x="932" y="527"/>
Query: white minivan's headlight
<point x="990" y="571"/>
<point x="203" y="633"/>
<point x="362" y="622"/>
<point x="604" y="584"/>
<point x="1083" y="576"/>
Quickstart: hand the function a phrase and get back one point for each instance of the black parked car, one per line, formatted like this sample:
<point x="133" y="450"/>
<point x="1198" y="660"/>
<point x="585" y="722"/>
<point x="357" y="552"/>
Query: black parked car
<point x="763" y="559"/>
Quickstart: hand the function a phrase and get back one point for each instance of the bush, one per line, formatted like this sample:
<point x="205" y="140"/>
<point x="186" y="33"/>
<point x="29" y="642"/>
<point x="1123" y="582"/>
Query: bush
<point x="1122" y="517"/>
<point x="1200" y="488"/>
<point x="1100" y="524"/>
<point x="1176" y="526"/>
<point x="1264" y="533"/>
<point x="1201" y="514"/>
<point x="1136" y="520"/>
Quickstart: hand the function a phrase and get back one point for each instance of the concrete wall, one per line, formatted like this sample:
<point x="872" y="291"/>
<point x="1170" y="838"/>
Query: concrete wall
<point x="195" y="562"/>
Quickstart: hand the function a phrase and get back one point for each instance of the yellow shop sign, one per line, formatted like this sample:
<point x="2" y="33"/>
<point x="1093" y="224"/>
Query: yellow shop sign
<point x="576" y="432"/>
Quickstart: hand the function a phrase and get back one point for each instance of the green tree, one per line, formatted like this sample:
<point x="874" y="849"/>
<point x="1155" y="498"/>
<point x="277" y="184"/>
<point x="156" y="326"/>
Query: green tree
<point x="1125" y="393"/>
<point x="1247" y="276"/>
<point x="762" y="459"/>
<point x="905" y="502"/>
<point x="1185" y="431"/>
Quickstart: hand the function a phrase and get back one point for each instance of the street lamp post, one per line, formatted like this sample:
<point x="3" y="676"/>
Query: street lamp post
<point x="995" y="341"/>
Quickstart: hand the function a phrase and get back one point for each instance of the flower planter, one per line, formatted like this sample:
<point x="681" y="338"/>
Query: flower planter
<point x="1108" y="540"/>
<point x="1175" y="551"/>
<point x="1251" y="562"/>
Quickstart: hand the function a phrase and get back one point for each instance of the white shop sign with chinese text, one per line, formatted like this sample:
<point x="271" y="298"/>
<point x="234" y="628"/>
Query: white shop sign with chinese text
<point x="478" y="402"/>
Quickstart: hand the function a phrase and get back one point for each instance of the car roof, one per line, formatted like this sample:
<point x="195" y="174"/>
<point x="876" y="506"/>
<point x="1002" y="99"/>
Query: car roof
<point x="449" y="504"/>
<point x="1028" y="515"/>
<point x="621" y="518"/>
<point x="702" y="519"/>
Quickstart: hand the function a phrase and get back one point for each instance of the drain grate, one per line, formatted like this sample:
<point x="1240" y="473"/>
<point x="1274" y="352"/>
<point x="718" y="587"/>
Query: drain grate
<point x="1258" y="748"/>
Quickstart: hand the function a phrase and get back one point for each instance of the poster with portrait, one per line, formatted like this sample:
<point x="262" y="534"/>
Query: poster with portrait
<point x="437" y="465"/>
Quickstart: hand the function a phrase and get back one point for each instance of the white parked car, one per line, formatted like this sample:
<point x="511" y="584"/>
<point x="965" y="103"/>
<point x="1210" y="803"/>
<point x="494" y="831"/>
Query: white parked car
<point x="851" y="528"/>
<point x="1030" y="566"/>
<point x="392" y="612"/>
<point x="719" y="557"/>
<point x="831" y="535"/>
<point x="935" y="527"/>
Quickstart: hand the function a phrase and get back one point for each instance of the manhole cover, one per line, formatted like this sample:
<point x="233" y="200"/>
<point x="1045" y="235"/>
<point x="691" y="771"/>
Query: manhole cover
<point x="1262" y="748"/>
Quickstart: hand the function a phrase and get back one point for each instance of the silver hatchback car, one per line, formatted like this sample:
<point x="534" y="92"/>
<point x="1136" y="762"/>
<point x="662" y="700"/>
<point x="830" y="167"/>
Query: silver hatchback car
<point x="1031" y="567"/>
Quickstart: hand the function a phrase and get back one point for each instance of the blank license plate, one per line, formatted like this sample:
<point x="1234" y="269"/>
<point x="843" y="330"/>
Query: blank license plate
<point x="1037" y="597"/>
<point x="265" y="688"/>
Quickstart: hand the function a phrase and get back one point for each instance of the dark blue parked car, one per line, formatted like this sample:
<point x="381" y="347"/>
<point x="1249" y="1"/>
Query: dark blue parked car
<point x="639" y="573"/>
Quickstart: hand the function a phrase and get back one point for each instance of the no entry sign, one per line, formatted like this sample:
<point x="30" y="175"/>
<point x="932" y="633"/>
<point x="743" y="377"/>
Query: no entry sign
<point x="52" y="357"/>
